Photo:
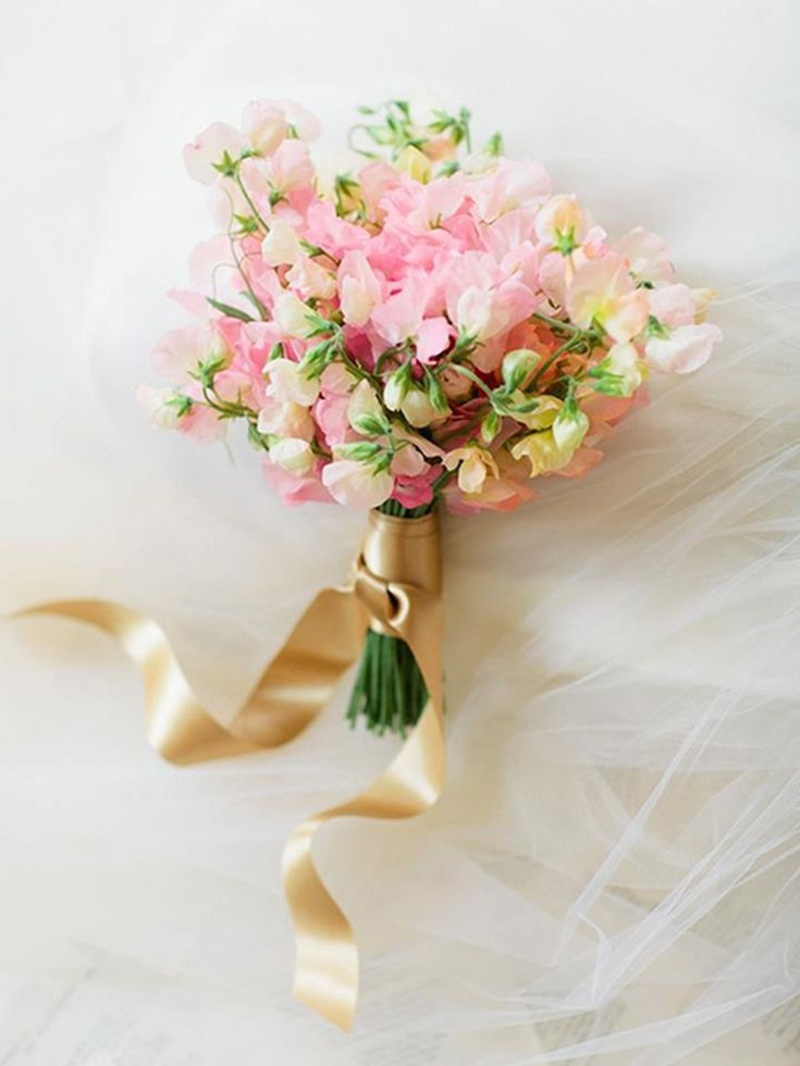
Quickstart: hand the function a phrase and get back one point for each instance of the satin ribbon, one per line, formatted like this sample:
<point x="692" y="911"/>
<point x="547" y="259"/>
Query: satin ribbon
<point x="394" y="588"/>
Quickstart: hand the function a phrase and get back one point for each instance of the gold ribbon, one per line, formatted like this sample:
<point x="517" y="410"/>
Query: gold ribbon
<point x="394" y="588"/>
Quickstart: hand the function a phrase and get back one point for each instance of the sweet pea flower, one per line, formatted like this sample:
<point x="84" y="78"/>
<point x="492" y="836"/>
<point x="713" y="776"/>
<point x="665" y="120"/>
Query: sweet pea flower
<point x="646" y="254"/>
<point x="295" y="488"/>
<point x="285" y="419"/>
<point x="561" y="222"/>
<point x="474" y="465"/>
<point x="293" y="454"/>
<point x="417" y="409"/>
<point x="683" y="349"/>
<point x="408" y="462"/>
<point x="543" y="415"/>
<point x="624" y="363"/>
<point x="359" y="288"/>
<point x="672" y="305"/>
<point x="292" y="315"/>
<point x="180" y="351"/>
<point x="209" y="148"/>
<point x="602" y="292"/>
<point x="507" y="187"/>
<point x="569" y="429"/>
<point x="542" y="451"/>
<point x="357" y="483"/>
<point x="311" y="280"/>
<point x="288" y="384"/>
<point x="264" y="125"/>
<point x="281" y="246"/>
<point x="364" y="411"/>
<point x="159" y="406"/>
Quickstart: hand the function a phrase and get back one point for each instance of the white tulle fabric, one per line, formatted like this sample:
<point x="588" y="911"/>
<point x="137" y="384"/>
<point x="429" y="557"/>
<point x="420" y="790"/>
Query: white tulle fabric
<point x="612" y="875"/>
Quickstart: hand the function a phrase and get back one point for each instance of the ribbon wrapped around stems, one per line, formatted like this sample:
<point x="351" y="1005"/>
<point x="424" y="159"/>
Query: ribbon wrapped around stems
<point x="394" y="588"/>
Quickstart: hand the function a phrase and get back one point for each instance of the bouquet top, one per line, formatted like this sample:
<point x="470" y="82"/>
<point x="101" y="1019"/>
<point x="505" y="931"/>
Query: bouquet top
<point x="436" y="322"/>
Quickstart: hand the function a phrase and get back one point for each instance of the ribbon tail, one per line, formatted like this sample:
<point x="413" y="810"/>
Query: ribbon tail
<point x="293" y="689"/>
<point x="326" y="973"/>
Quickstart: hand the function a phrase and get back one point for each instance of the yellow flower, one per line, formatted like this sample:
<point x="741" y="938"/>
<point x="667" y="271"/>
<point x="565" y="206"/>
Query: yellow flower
<point x="542" y="416"/>
<point x="542" y="452"/>
<point x="412" y="162"/>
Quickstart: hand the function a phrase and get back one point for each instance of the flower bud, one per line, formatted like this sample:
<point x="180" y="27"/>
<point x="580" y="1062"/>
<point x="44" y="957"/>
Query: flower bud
<point x="518" y="366"/>
<point x="418" y="409"/>
<point x="490" y="427"/>
<point x="570" y="428"/>
<point x="396" y="388"/>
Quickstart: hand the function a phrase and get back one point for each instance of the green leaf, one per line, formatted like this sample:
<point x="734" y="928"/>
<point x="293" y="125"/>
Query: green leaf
<point x="231" y="312"/>
<point x="254" y="300"/>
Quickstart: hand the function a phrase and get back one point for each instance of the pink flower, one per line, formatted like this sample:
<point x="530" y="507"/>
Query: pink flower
<point x="359" y="288"/>
<point x="646" y="254"/>
<point x="508" y="187"/>
<point x="335" y="235"/>
<point x="295" y="489"/>
<point x="311" y="280"/>
<point x="672" y="305"/>
<point x="209" y="148"/>
<point x="684" y="349"/>
<point x="482" y="301"/>
<point x="433" y="336"/>
<point x="179" y="351"/>
<point x="602" y="292"/>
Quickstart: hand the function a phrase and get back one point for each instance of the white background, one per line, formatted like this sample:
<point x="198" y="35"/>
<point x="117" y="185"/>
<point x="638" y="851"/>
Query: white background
<point x="611" y="876"/>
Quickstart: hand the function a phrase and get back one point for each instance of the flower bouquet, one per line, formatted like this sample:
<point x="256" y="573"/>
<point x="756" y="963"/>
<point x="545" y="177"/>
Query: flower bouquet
<point x="433" y="328"/>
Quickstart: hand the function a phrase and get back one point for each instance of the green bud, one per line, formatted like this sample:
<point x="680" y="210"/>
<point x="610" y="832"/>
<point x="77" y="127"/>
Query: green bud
<point x="361" y="451"/>
<point x="396" y="388"/>
<point x="316" y="359"/>
<point x="181" y="403"/>
<point x="490" y="426"/>
<point x="436" y="395"/>
<point x="655" y="328"/>
<point x="494" y="146"/>
<point x="518" y="366"/>
<point x="370" y="425"/>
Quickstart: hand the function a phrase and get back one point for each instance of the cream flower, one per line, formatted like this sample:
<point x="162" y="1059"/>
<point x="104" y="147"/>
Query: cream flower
<point x="281" y="246"/>
<point x="292" y="315"/>
<point x="474" y="466"/>
<point x="357" y="484"/>
<point x="288" y="384"/>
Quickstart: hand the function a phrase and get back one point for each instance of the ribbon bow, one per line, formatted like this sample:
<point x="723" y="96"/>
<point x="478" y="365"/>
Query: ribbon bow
<point x="394" y="588"/>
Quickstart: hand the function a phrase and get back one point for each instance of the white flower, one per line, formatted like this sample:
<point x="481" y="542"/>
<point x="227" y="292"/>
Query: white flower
<point x="292" y="454"/>
<point x="288" y="384"/>
<point x="357" y="484"/>
<point x="156" y="406"/>
<point x="281" y="245"/>
<point x="292" y="315"/>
